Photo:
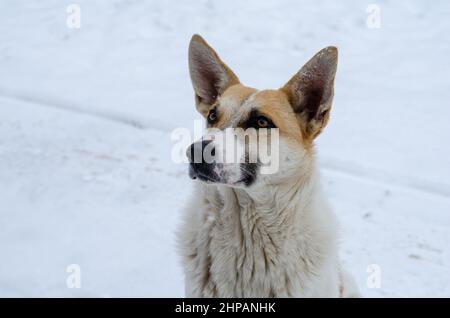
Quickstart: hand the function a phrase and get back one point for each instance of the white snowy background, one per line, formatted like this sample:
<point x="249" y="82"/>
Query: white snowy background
<point x="86" y="175"/>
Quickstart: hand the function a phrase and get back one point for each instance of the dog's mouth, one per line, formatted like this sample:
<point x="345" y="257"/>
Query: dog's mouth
<point x="211" y="173"/>
<point x="203" y="172"/>
<point x="248" y="173"/>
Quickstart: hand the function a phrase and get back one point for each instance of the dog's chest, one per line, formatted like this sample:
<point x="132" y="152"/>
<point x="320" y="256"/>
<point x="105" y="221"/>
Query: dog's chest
<point x="236" y="254"/>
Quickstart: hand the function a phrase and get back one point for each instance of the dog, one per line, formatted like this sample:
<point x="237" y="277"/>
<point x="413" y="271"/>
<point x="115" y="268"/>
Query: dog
<point x="249" y="234"/>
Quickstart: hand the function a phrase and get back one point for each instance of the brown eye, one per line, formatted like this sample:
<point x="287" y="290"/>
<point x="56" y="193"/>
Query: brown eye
<point x="262" y="122"/>
<point x="212" y="116"/>
<point x="257" y="121"/>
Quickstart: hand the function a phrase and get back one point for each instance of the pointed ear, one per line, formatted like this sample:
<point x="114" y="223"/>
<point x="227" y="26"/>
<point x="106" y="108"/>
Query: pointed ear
<point x="310" y="91"/>
<point x="209" y="75"/>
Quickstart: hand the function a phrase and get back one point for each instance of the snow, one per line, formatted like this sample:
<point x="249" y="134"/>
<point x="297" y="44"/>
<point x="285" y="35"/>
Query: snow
<point x="86" y="175"/>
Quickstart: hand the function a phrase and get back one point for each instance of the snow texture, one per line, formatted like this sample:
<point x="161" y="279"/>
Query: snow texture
<point x="86" y="115"/>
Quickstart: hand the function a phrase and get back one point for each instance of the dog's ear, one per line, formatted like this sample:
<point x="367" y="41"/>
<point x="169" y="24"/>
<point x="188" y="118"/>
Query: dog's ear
<point x="310" y="91"/>
<point x="209" y="75"/>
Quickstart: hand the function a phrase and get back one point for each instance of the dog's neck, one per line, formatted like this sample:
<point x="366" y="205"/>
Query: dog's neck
<point x="280" y="234"/>
<point x="275" y="232"/>
<point x="270" y="208"/>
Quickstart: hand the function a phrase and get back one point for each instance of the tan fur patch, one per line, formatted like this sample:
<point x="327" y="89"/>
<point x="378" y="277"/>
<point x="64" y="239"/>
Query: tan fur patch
<point x="275" y="105"/>
<point x="230" y="103"/>
<point x="272" y="103"/>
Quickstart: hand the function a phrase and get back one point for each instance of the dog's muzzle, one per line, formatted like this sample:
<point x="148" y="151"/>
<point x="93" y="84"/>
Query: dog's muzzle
<point x="201" y="161"/>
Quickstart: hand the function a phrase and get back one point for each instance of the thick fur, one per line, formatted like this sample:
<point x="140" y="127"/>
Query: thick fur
<point x="277" y="237"/>
<point x="274" y="242"/>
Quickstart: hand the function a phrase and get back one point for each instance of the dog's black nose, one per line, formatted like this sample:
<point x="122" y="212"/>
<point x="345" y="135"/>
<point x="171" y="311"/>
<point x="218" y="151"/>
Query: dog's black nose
<point x="201" y="152"/>
<point x="201" y="158"/>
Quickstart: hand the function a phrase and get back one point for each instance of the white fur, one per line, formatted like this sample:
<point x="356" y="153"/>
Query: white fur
<point x="272" y="239"/>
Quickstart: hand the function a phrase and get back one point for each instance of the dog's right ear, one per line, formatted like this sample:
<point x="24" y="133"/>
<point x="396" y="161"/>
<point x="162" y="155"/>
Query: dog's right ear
<point x="209" y="75"/>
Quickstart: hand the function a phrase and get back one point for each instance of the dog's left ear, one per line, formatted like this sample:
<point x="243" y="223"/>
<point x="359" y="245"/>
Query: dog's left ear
<point x="209" y="75"/>
<point x="310" y="91"/>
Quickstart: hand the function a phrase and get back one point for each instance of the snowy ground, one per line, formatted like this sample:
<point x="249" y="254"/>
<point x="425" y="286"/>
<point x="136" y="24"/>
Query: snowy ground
<point x="86" y="114"/>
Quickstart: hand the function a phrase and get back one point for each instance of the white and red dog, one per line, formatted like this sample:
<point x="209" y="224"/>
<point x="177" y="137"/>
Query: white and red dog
<point x="253" y="234"/>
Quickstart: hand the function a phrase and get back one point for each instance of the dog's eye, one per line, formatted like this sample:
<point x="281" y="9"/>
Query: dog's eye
<point x="212" y="116"/>
<point x="263" y="122"/>
<point x="257" y="121"/>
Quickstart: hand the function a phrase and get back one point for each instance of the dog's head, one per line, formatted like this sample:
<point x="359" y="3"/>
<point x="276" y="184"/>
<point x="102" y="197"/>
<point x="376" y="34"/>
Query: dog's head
<point x="269" y="133"/>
